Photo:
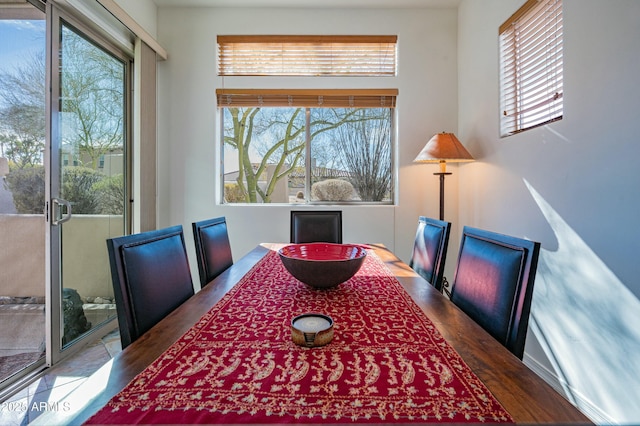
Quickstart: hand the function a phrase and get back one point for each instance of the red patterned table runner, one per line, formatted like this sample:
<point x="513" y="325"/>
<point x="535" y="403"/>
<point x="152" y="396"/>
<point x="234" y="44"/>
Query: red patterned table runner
<point x="387" y="362"/>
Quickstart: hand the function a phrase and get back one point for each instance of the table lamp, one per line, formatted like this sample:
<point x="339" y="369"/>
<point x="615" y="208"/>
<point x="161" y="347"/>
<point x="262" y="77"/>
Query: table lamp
<point x="442" y="148"/>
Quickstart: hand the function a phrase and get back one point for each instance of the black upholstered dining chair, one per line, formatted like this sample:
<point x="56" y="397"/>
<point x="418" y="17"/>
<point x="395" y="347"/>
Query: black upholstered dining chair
<point x="213" y="250"/>
<point x="310" y="226"/>
<point x="493" y="284"/>
<point x="430" y="250"/>
<point x="151" y="277"/>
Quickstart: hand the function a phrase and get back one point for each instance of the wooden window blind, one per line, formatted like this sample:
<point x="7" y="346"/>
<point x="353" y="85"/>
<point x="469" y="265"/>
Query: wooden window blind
<point x="307" y="98"/>
<point x="531" y="63"/>
<point x="255" y="55"/>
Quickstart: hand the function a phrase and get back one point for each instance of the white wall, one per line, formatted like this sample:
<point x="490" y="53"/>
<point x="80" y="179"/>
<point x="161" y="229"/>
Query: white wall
<point x="572" y="185"/>
<point x="144" y="12"/>
<point x="188" y="128"/>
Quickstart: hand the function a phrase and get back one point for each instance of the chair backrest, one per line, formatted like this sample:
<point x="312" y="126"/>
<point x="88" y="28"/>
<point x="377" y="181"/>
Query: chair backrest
<point x="310" y="226"/>
<point x="151" y="277"/>
<point x="213" y="250"/>
<point x="493" y="284"/>
<point x="430" y="250"/>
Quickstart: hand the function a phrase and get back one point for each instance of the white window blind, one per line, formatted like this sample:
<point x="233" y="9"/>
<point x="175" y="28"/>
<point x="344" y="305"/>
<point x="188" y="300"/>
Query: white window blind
<point x="307" y="98"/>
<point x="253" y="55"/>
<point x="531" y="66"/>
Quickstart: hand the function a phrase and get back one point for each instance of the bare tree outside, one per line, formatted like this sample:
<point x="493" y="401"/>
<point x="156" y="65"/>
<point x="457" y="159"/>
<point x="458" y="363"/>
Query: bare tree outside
<point x="92" y="100"/>
<point x="22" y="112"/>
<point x="242" y="132"/>
<point x="365" y="145"/>
<point x="270" y="145"/>
<point x="91" y="105"/>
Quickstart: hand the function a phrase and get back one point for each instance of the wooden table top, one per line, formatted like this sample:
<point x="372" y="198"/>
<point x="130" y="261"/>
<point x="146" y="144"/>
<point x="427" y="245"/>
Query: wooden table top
<point x="526" y="397"/>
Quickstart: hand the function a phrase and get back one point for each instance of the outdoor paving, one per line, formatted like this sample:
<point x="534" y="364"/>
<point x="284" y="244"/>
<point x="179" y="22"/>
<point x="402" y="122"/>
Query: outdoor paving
<point x="23" y="328"/>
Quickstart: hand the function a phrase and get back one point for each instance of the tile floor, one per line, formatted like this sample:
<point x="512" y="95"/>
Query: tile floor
<point x="57" y="382"/>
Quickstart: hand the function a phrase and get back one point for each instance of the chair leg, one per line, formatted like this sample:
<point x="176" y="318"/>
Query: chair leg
<point x="445" y="287"/>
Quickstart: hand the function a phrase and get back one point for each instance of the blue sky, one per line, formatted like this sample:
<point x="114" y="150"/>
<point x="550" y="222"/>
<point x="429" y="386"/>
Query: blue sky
<point x="19" y="39"/>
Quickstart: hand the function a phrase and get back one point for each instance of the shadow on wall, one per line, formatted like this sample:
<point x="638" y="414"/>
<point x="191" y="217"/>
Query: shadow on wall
<point x="588" y="321"/>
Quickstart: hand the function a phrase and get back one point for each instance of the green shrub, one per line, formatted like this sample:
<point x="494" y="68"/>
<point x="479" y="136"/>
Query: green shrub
<point x="78" y="188"/>
<point x="110" y="192"/>
<point x="27" y="187"/>
<point x="233" y="193"/>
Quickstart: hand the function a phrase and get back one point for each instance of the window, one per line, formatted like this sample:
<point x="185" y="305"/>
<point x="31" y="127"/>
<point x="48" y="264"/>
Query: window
<point x="307" y="146"/>
<point x="307" y="55"/>
<point x="531" y="67"/>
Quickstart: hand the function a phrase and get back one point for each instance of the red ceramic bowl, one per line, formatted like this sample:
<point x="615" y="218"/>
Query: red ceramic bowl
<point x="322" y="265"/>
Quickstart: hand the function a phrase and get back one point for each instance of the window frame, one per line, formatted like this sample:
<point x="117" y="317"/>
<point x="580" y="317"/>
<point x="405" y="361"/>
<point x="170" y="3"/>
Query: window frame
<point x="531" y="67"/>
<point x="309" y="99"/>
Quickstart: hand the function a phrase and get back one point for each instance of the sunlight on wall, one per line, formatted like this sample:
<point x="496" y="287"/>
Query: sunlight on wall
<point x="589" y="323"/>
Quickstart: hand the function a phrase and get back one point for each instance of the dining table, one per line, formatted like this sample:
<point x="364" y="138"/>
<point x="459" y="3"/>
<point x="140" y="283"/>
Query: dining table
<point x="401" y="353"/>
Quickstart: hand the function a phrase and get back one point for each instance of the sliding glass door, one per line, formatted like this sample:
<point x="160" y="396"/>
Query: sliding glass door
<point x="64" y="183"/>
<point x="88" y="178"/>
<point x="22" y="187"/>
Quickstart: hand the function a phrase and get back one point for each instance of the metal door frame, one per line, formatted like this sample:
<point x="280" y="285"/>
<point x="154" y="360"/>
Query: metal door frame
<point x="56" y="18"/>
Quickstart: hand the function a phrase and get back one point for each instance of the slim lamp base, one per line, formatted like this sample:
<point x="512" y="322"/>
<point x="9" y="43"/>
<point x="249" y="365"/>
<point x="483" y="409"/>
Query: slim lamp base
<point x="442" y="175"/>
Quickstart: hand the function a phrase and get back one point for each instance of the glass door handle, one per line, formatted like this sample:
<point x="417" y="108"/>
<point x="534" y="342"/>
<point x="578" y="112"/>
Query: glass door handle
<point x="58" y="216"/>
